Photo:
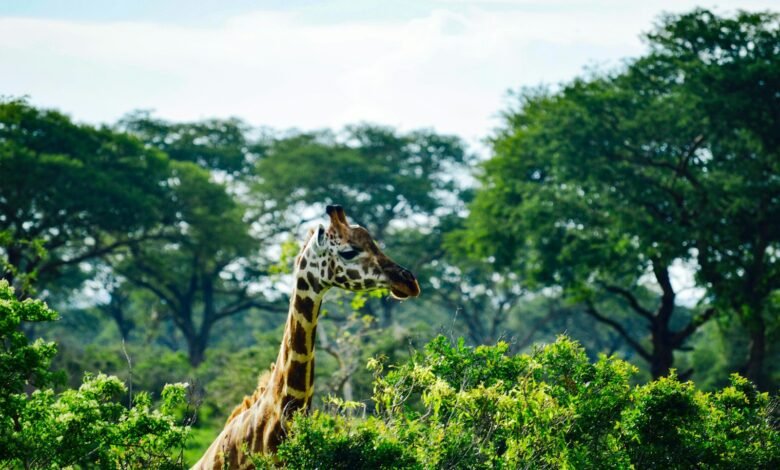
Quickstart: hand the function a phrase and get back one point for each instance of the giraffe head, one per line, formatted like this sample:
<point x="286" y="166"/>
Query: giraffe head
<point x="346" y="256"/>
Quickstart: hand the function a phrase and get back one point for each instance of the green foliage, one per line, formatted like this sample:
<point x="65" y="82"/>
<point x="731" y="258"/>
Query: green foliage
<point x="85" y="427"/>
<point x="453" y="406"/>
<point x="617" y="175"/>
<point x="74" y="190"/>
<point x="214" y="144"/>
<point x="339" y="443"/>
<point x="200" y="271"/>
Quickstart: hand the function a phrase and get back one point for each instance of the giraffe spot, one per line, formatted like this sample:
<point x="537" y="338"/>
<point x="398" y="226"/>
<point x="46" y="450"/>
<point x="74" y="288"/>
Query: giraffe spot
<point x="369" y="283"/>
<point x="218" y="462"/>
<point x="330" y="272"/>
<point x="303" y="263"/>
<point x="302" y="285"/>
<point x="232" y="460"/>
<point x="299" y="339"/>
<point x="353" y="274"/>
<point x="256" y="444"/>
<point x="296" y="376"/>
<point x="305" y="306"/>
<point x="274" y="436"/>
<point x="341" y="279"/>
<point x="315" y="284"/>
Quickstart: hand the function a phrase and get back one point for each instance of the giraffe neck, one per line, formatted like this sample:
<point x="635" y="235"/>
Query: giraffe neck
<point x="295" y="363"/>
<point x="259" y="426"/>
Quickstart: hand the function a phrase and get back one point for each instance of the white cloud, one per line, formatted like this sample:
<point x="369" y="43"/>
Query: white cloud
<point x="448" y="69"/>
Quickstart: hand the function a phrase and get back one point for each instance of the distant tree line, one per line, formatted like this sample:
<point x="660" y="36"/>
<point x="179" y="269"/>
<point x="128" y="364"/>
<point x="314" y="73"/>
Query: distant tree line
<point x="594" y="193"/>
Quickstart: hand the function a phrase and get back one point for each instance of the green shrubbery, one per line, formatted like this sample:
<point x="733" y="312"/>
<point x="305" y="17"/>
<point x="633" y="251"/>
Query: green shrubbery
<point x="449" y="406"/>
<point x="87" y="427"/>
<point x="461" y="407"/>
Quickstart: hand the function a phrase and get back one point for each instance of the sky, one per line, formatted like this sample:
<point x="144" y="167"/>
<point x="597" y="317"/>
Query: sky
<point x="447" y="65"/>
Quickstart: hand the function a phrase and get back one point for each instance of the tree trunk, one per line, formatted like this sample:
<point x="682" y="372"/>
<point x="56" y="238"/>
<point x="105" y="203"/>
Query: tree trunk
<point x="197" y="338"/>
<point x="347" y="389"/>
<point x="196" y="350"/>
<point x="662" y="355"/>
<point x="662" y="337"/>
<point x="754" y="369"/>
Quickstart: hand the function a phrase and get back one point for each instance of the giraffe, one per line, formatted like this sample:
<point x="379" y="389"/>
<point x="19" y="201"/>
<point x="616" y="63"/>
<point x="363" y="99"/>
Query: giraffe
<point x="343" y="256"/>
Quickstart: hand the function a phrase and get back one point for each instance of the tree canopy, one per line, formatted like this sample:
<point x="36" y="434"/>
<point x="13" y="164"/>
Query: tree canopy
<point x="70" y="193"/>
<point x="617" y="176"/>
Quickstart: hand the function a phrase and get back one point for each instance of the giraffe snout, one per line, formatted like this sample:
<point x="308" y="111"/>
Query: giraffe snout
<point x="403" y="284"/>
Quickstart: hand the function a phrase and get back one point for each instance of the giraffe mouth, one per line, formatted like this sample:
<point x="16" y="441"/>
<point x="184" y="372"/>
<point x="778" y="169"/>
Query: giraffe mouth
<point x="398" y="295"/>
<point x="402" y="291"/>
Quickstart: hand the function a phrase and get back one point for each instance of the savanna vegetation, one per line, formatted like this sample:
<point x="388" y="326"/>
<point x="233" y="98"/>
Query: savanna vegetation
<point x="601" y="291"/>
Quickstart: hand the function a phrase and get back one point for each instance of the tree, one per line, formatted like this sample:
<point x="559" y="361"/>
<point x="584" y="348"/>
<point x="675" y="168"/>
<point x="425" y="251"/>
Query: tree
<point x="215" y="144"/>
<point x="563" y="207"/>
<point x="70" y="193"/>
<point x="618" y="177"/>
<point x="728" y="66"/>
<point x="202" y="272"/>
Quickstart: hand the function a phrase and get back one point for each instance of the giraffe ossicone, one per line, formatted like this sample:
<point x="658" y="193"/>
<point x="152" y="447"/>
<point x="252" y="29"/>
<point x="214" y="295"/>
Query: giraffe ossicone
<point x="343" y="256"/>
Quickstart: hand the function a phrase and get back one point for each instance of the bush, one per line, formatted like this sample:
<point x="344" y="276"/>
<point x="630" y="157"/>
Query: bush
<point x="453" y="406"/>
<point x="86" y="427"/>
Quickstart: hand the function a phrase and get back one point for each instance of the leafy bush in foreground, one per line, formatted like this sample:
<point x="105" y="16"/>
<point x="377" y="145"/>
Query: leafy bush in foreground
<point x="87" y="427"/>
<point x="454" y="406"/>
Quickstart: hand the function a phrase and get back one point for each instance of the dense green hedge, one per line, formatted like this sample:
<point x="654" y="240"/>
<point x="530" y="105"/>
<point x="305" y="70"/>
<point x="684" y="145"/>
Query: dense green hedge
<point x="454" y="406"/>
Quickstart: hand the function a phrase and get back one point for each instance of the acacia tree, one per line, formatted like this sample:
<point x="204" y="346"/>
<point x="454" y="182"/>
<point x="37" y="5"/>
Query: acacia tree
<point x="70" y="193"/>
<point x="202" y="272"/>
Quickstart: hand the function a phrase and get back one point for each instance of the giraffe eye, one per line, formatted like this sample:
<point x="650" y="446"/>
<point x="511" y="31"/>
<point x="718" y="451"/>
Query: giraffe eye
<point x="349" y="254"/>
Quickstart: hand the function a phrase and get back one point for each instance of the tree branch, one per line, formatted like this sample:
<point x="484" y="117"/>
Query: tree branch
<point x="244" y="304"/>
<point x="631" y="298"/>
<point x="691" y="327"/>
<point x="590" y="309"/>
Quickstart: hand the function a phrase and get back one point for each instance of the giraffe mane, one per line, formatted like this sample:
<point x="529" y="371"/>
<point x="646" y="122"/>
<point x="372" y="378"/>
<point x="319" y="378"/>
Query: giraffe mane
<point x="249" y="400"/>
<point x="303" y="246"/>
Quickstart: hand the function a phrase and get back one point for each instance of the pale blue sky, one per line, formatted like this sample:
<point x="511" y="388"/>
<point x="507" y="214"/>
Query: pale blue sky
<point x="443" y="64"/>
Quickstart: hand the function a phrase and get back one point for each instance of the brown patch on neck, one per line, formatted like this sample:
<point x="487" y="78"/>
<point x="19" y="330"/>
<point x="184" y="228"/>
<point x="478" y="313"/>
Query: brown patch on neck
<point x="313" y="281"/>
<point x="305" y="306"/>
<point x="298" y="339"/>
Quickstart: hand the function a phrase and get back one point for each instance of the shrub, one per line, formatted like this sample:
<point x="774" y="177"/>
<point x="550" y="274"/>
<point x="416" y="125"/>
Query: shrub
<point x="453" y="406"/>
<point x="85" y="427"/>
